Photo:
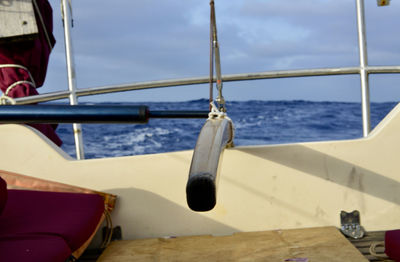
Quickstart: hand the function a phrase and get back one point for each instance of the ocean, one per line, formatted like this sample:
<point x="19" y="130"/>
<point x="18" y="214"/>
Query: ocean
<point x="256" y="123"/>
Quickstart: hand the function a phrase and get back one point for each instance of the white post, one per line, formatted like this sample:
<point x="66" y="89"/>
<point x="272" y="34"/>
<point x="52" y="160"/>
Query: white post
<point x="66" y="12"/>
<point x="362" y="45"/>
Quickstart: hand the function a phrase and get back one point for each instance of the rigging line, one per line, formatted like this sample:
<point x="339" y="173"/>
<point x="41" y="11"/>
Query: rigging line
<point x="211" y="57"/>
<point x="220" y="99"/>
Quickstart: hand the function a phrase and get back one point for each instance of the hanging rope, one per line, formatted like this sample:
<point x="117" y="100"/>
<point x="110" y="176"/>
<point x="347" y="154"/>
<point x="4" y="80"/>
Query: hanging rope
<point x="214" y="55"/>
<point x="211" y="59"/>
<point x="216" y="113"/>
<point x="220" y="111"/>
<point x="109" y="228"/>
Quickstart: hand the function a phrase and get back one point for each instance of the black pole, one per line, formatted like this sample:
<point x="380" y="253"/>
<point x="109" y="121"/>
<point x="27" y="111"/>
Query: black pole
<point x="88" y="114"/>
<point x="178" y="114"/>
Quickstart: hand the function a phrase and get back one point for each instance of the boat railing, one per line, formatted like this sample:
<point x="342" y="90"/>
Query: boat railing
<point x="364" y="70"/>
<point x="51" y="96"/>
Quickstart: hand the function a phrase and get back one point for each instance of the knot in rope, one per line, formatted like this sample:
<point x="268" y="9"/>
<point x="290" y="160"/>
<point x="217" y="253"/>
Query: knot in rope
<point x="216" y="113"/>
<point x="6" y="100"/>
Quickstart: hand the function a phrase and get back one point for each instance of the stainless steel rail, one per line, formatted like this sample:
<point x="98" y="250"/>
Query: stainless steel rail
<point x="362" y="47"/>
<point x="203" y="80"/>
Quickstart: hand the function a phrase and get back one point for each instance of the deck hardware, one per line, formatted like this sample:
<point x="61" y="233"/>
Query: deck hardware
<point x="350" y="224"/>
<point x="215" y="58"/>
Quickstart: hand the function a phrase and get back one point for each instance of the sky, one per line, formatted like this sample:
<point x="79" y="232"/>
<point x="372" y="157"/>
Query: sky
<point x="125" y="41"/>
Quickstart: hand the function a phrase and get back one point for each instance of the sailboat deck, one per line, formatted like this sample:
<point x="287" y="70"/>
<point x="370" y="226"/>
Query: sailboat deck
<point x="306" y="245"/>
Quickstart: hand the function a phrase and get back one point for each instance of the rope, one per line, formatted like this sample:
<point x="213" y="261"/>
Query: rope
<point x="215" y="56"/>
<point x="216" y="113"/>
<point x="108" y="237"/>
<point x="5" y="99"/>
<point x="372" y="249"/>
<point x="21" y="67"/>
<point x="211" y="80"/>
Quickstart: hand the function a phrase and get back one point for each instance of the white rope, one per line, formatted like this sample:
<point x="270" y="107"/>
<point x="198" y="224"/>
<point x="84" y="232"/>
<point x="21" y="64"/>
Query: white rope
<point x="21" y="67"/>
<point x="372" y="249"/>
<point x="5" y="99"/>
<point x="216" y="113"/>
<point x="18" y="83"/>
<point x="109" y="226"/>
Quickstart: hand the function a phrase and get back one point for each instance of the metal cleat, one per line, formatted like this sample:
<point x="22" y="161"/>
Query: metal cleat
<point x="350" y="224"/>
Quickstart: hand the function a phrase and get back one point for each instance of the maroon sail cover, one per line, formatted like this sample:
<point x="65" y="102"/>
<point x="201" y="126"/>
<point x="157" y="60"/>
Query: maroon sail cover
<point x="3" y="194"/>
<point x="392" y="244"/>
<point x="46" y="226"/>
<point x="34" y="56"/>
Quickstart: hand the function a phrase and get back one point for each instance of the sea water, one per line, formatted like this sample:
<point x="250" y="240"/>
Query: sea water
<point x="256" y="123"/>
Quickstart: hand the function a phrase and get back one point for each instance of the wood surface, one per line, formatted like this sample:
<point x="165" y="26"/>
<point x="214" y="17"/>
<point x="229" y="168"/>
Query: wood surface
<point x="302" y="245"/>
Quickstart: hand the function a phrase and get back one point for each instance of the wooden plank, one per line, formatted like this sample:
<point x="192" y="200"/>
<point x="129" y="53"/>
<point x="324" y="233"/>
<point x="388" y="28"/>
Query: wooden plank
<point x="17" y="20"/>
<point x="306" y="245"/>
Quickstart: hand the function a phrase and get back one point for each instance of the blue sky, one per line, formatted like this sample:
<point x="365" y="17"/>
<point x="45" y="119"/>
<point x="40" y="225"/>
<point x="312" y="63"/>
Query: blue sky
<point x="125" y="41"/>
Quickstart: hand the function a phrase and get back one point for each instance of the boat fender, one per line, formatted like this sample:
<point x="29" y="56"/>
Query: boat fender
<point x="201" y="188"/>
<point x="201" y="192"/>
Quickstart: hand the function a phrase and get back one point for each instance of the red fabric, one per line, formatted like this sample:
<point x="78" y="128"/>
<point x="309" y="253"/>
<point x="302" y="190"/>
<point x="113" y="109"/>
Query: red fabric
<point x="34" y="248"/>
<point x="71" y="216"/>
<point x="34" y="55"/>
<point x="3" y="194"/>
<point x="392" y="244"/>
